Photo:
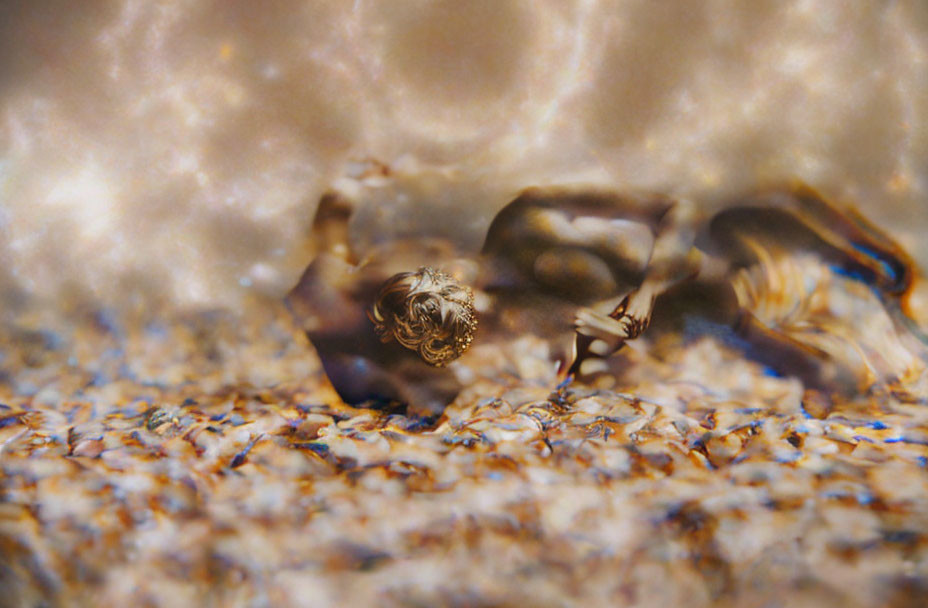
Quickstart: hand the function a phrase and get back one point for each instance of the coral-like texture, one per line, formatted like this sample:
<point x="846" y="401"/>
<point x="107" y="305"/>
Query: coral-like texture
<point x="204" y="458"/>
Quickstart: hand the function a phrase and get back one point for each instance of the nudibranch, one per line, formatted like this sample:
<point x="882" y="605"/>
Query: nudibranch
<point x="584" y="268"/>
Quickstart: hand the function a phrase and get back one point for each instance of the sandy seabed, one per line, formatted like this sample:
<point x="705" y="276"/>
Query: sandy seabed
<point x="204" y="460"/>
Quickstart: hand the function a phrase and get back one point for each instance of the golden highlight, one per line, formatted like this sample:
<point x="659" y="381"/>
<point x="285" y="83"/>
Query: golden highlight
<point x="427" y="311"/>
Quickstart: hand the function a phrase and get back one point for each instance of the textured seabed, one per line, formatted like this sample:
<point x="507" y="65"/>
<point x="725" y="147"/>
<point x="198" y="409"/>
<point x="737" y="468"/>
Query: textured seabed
<point x="204" y="460"/>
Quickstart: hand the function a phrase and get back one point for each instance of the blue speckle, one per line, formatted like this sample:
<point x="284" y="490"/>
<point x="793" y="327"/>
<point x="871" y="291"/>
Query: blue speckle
<point x="9" y="421"/>
<point x="879" y="426"/>
<point x="888" y="270"/>
<point x="904" y="439"/>
<point x="901" y="536"/>
<point x="314" y="446"/>
<point x="847" y="272"/>
<point x="922" y="461"/>
<point x="52" y="341"/>
<point x="156" y="329"/>
<point x="107" y="320"/>
<point x="695" y="327"/>
<point x="494" y="475"/>
<point x="112" y="353"/>
<point x="360" y="365"/>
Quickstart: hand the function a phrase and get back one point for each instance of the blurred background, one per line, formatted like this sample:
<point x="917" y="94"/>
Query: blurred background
<point x="174" y="152"/>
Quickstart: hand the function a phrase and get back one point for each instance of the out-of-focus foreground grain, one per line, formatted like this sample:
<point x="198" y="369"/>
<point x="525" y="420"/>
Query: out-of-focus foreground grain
<point x="202" y="460"/>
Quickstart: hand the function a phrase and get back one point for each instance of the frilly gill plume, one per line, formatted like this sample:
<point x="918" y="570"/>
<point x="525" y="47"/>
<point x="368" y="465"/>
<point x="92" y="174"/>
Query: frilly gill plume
<point x="803" y="299"/>
<point x="427" y="311"/>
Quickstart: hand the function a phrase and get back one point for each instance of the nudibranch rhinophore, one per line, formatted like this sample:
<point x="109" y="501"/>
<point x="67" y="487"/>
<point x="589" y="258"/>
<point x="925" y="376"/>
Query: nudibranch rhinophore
<point x="428" y="312"/>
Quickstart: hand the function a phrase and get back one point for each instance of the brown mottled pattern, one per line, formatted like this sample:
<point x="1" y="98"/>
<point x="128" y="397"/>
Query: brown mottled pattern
<point x="203" y="460"/>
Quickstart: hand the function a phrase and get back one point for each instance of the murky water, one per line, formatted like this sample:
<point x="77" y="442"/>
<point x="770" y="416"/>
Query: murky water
<point x="175" y="151"/>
